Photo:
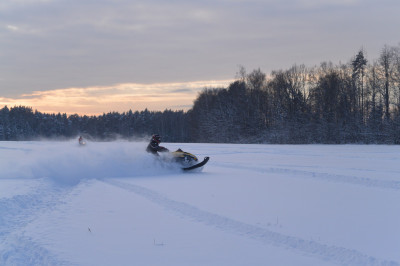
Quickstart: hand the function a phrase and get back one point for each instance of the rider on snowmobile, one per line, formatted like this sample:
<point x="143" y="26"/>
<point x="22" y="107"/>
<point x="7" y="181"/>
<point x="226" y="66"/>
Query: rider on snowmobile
<point x="154" y="145"/>
<point x="80" y="140"/>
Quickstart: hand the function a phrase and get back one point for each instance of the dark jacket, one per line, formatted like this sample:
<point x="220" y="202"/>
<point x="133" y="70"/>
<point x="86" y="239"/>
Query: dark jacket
<point x="154" y="147"/>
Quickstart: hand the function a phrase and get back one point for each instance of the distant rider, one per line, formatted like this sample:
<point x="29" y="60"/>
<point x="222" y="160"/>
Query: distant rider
<point x="81" y="142"/>
<point x="154" y="145"/>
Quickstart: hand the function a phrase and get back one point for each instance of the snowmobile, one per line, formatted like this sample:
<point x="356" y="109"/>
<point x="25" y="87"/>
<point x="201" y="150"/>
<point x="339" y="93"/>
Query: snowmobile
<point x="81" y="141"/>
<point x="187" y="160"/>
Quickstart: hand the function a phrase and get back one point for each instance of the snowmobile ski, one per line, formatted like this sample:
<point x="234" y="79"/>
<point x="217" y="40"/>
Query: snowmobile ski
<point x="197" y="165"/>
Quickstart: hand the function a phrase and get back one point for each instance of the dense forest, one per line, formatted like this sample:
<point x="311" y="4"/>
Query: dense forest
<point x="355" y="102"/>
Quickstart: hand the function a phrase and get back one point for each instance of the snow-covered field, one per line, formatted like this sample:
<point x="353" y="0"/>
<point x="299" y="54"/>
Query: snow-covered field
<point x="114" y="204"/>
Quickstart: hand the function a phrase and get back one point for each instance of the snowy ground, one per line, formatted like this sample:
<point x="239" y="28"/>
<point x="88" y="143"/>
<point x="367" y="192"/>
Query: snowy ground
<point x="113" y="204"/>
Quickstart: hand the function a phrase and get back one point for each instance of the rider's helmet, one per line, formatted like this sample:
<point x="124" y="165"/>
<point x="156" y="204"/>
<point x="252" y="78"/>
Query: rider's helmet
<point x="156" y="138"/>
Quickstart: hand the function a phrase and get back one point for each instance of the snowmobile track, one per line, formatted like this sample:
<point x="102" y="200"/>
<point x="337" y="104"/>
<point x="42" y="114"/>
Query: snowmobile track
<point x="345" y="179"/>
<point x="335" y="254"/>
<point x="16" y="213"/>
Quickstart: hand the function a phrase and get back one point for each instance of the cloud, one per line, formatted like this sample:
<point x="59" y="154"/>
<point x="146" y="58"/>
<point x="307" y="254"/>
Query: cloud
<point x="120" y="97"/>
<point x="180" y="90"/>
<point x="12" y="28"/>
<point x="326" y="3"/>
<point x="13" y="4"/>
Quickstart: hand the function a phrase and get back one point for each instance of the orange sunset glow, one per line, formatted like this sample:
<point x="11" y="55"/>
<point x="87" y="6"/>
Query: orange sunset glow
<point x="119" y="98"/>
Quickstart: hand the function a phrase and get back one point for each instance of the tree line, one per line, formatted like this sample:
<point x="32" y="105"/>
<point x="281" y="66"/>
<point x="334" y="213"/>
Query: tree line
<point x="354" y="102"/>
<point x="22" y="123"/>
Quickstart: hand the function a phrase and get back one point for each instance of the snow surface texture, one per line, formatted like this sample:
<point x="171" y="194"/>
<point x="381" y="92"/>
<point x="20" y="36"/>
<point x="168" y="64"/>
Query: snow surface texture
<point x="114" y="204"/>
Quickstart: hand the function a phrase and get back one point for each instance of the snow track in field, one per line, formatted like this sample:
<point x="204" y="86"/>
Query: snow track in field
<point x="347" y="179"/>
<point x="335" y="254"/>
<point x="16" y="213"/>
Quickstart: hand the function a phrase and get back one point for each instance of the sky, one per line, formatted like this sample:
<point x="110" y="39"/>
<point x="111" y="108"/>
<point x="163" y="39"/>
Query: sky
<point x="95" y="56"/>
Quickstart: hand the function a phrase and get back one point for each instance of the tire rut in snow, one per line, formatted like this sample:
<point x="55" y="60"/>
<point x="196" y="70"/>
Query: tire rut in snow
<point x="335" y="254"/>
<point x="17" y="212"/>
